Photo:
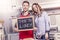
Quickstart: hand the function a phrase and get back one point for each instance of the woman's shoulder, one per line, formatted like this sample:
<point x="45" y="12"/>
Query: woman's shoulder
<point x="44" y="13"/>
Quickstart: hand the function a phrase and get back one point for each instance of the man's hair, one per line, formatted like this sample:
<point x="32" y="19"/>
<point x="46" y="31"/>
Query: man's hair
<point x="25" y="2"/>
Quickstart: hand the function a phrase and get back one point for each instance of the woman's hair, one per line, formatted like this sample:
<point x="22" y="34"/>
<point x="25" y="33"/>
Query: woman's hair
<point x="36" y="5"/>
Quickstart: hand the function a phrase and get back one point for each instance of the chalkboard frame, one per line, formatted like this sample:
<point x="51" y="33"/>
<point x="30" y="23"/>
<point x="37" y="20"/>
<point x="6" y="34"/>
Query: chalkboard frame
<point x="32" y="17"/>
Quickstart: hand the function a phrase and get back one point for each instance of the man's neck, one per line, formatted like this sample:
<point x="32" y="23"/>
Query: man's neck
<point x="25" y="13"/>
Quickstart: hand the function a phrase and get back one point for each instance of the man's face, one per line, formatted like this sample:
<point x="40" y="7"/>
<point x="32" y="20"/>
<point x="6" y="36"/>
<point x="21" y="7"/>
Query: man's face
<point x="25" y="6"/>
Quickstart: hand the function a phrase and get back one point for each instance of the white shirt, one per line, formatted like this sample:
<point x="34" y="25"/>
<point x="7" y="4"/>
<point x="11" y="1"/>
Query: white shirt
<point x="42" y="23"/>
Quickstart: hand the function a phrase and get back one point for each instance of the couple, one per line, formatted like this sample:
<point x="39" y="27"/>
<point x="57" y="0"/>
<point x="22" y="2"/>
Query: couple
<point x="41" y="21"/>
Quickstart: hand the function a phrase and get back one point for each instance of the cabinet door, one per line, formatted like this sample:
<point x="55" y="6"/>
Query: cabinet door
<point x="13" y="36"/>
<point x="58" y="21"/>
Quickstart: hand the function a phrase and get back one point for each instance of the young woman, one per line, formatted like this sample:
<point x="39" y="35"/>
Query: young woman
<point x="41" y="21"/>
<point x="25" y="35"/>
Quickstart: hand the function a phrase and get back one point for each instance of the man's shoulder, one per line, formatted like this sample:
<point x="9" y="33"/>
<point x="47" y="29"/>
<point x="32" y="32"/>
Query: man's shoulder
<point x="31" y="12"/>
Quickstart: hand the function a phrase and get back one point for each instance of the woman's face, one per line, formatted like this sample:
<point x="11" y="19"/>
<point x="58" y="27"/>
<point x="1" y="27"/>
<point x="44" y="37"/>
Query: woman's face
<point x="35" y="8"/>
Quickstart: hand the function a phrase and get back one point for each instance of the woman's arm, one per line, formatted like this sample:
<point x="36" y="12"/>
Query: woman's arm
<point x="47" y="25"/>
<point x="47" y="22"/>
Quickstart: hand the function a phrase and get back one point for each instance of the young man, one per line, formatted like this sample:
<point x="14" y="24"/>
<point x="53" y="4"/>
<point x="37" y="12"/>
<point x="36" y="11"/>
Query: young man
<point x="25" y="35"/>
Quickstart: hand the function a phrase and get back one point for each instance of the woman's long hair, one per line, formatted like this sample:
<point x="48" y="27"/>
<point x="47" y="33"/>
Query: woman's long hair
<point x="36" y="5"/>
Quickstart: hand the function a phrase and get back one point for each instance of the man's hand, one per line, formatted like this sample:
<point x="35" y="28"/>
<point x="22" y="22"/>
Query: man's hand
<point x="34" y="28"/>
<point x="16" y="30"/>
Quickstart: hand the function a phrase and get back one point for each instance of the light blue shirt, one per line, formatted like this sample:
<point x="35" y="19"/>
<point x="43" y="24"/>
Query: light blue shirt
<point x="42" y="23"/>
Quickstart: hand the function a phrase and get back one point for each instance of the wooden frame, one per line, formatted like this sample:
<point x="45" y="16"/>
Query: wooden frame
<point x="25" y="23"/>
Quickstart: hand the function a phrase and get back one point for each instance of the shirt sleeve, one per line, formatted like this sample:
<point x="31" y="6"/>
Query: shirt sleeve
<point x="47" y="22"/>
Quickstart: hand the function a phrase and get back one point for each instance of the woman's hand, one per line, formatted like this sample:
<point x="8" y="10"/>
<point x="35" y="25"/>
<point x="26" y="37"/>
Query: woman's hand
<point x="46" y="36"/>
<point x="38" y="36"/>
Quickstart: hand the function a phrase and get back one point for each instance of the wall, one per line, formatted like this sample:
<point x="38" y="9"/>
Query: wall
<point x="8" y="8"/>
<point x="54" y="17"/>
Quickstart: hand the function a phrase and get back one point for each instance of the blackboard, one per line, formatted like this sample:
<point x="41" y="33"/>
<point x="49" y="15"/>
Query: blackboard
<point x="25" y="23"/>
